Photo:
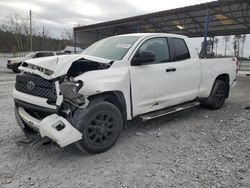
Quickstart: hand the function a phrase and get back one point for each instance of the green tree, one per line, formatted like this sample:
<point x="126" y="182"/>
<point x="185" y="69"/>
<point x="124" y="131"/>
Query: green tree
<point x="216" y="41"/>
<point x="243" y="40"/>
<point x="236" y="45"/>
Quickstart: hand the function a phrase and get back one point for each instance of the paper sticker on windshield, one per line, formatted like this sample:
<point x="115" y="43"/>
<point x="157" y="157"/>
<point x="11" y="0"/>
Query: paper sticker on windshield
<point x="123" y="45"/>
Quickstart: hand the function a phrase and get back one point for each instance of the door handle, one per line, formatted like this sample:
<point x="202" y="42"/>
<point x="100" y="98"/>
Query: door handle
<point x="171" y="69"/>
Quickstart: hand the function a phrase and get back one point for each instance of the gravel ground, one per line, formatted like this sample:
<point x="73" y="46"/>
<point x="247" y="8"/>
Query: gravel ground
<point x="194" y="148"/>
<point x="3" y="61"/>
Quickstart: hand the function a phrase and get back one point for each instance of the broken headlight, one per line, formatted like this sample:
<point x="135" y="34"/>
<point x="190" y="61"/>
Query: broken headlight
<point x="69" y="89"/>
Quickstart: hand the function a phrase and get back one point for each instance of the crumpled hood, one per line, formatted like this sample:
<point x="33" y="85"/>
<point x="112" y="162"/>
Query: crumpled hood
<point x="61" y="64"/>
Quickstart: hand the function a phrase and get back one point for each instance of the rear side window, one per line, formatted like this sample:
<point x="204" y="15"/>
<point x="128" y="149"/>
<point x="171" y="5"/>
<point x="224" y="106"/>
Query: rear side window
<point x="46" y="54"/>
<point x="181" y="49"/>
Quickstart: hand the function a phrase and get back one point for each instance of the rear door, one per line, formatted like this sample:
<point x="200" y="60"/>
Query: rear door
<point x="187" y="76"/>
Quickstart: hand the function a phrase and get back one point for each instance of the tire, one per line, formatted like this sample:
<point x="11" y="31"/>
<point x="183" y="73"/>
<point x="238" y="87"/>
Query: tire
<point x="100" y="124"/>
<point x="217" y="97"/>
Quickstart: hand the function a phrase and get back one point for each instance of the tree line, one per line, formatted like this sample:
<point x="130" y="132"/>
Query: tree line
<point x="15" y="37"/>
<point x="237" y="44"/>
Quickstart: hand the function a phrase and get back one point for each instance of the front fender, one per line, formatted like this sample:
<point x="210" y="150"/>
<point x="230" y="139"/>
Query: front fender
<point x="107" y="80"/>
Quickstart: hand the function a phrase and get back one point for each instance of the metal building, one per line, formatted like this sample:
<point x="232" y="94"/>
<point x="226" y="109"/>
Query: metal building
<point x="217" y="18"/>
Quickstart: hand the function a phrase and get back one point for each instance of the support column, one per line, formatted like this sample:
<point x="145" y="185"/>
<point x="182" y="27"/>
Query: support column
<point x="206" y="34"/>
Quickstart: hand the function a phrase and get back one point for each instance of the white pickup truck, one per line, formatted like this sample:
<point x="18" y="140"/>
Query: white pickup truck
<point x="86" y="99"/>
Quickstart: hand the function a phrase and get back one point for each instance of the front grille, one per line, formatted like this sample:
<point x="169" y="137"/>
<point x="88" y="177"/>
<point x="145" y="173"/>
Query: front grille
<point x="36" y="85"/>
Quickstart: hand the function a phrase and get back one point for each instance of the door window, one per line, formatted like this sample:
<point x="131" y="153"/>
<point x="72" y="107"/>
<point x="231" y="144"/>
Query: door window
<point x="159" y="47"/>
<point x="181" y="49"/>
<point x="45" y="54"/>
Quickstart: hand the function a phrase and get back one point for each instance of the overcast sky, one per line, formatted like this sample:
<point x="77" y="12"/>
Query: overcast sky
<point x="55" y="15"/>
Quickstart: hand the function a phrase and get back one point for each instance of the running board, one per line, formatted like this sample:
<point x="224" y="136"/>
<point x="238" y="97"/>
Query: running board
<point x="170" y="110"/>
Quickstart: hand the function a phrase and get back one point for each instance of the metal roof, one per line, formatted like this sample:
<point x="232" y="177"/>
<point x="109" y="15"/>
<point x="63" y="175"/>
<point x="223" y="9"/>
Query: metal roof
<point x="227" y="17"/>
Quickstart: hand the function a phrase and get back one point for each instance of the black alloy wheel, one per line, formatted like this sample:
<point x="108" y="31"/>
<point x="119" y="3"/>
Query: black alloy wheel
<point x="100" y="129"/>
<point x="100" y="124"/>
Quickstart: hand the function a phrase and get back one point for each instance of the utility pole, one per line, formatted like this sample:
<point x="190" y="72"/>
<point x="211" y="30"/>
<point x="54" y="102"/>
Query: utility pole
<point x="43" y="38"/>
<point x="30" y="31"/>
<point x="74" y="42"/>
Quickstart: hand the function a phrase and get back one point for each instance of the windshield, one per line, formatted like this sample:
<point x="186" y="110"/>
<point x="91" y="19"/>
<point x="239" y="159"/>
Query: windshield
<point x="113" y="48"/>
<point x="30" y="55"/>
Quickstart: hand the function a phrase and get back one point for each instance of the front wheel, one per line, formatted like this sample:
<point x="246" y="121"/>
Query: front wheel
<point x="217" y="96"/>
<point x="100" y="125"/>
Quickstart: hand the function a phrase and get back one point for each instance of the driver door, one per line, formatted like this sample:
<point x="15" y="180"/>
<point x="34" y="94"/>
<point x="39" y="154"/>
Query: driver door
<point x="151" y="82"/>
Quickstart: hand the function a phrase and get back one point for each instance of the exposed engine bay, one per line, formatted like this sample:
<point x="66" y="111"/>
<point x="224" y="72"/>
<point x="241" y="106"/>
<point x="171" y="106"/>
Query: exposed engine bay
<point x="83" y="65"/>
<point x="48" y="98"/>
<point x="67" y="87"/>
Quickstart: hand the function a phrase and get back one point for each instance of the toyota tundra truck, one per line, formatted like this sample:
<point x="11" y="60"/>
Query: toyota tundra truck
<point x="87" y="98"/>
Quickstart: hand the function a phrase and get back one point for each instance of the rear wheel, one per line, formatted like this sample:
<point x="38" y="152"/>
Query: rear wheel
<point x="100" y="125"/>
<point x="217" y="96"/>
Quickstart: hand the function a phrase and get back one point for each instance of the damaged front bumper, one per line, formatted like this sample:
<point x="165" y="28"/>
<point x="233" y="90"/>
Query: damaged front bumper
<point x="53" y="126"/>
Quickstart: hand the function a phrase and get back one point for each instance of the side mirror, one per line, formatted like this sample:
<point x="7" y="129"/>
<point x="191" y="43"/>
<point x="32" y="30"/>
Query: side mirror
<point x="143" y="58"/>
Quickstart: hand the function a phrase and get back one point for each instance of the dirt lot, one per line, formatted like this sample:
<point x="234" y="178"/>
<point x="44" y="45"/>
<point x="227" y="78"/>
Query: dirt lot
<point x="196" y="148"/>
